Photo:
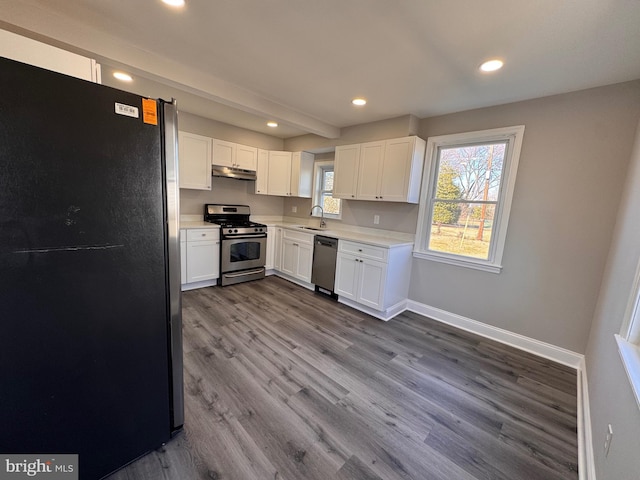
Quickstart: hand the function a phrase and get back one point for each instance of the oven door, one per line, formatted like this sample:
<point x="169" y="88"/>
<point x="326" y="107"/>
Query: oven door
<point x="242" y="253"/>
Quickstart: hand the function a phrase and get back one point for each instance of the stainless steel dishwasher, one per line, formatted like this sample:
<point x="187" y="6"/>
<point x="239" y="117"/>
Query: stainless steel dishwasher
<point x="323" y="273"/>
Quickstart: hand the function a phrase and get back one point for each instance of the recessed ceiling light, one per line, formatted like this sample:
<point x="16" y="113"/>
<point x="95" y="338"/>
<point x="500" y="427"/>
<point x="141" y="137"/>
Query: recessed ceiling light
<point x="272" y="124"/>
<point x="359" y="101"/>
<point x="174" y="3"/>
<point x="491" y="65"/>
<point x="125" y="77"/>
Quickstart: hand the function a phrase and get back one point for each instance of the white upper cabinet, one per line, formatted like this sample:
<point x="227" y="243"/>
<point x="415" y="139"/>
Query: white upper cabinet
<point x="26" y="50"/>
<point x="223" y="153"/>
<point x="279" y="181"/>
<point x="285" y="174"/>
<point x="388" y="170"/>
<point x="194" y="159"/>
<point x="370" y="172"/>
<point x="262" y="172"/>
<point x="246" y="157"/>
<point x="235" y="155"/>
<point x="402" y="170"/>
<point x="346" y="165"/>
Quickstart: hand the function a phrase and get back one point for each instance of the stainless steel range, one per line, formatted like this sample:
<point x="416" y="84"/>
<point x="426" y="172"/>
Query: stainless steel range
<point x="243" y="245"/>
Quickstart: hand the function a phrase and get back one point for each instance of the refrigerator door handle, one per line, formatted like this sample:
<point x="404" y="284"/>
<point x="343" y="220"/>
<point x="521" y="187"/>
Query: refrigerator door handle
<point x="170" y="116"/>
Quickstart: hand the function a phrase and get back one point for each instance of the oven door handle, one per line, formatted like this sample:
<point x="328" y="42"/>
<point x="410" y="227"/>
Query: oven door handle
<point x="243" y="237"/>
<point x="243" y="273"/>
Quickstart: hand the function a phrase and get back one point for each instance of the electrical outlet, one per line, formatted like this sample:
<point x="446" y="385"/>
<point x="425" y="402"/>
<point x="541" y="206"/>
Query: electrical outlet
<point x="376" y="219"/>
<point x="294" y="209"/>
<point x="607" y="441"/>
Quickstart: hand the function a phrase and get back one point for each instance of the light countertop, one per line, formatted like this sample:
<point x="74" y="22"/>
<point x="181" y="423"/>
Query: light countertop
<point x="370" y="236"/>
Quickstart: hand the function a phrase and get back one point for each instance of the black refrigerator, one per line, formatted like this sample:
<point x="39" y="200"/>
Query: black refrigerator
<point x="90" y="339"/>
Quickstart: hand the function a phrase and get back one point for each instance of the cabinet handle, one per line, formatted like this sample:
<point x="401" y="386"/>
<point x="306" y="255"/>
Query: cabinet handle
<point x="296" y="245"/>
<point x="359" y="249"/>
<point x="203" y="234"/>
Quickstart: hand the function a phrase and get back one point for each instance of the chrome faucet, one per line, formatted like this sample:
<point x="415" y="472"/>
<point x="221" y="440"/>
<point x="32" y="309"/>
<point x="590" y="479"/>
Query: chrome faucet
<point x="322" y="222"/>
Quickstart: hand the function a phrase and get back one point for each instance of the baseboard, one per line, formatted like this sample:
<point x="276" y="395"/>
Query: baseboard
<point x="586" y="463"/>
<point x="302" y="283"/>
<point x="385" y="315"/>
<point x="542" y="349"/>
<point x="204" y="283"/>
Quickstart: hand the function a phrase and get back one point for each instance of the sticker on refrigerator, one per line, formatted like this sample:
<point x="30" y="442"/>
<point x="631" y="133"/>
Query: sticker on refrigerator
<point x="127" y="110"/>
<point x="149" y="111"/>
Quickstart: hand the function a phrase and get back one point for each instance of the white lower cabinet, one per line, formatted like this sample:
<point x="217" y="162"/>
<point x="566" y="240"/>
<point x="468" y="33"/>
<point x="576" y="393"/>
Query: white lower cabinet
<point x="297" y="255"/>
<point x="372" y="278"/>
<point x="360" y="280"/>
<point x="277" y="249"/>
<point x="183" y="257"/>
<point x="271" y="243"/>
<point x="200" y="257"/>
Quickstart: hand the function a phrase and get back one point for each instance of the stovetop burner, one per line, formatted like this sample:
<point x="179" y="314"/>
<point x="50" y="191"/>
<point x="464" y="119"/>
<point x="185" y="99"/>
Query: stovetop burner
<point x="233" y="220"/>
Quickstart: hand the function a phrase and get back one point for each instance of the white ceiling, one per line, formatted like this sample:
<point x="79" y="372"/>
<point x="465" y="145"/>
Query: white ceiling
<point x="300" y="62"/>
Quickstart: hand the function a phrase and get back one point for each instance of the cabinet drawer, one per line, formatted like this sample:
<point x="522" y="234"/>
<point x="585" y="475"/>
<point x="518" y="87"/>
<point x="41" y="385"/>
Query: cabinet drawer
<point x="194" y="235"/>
<point x="363" y="250"/>
<point x="297" y="236"/>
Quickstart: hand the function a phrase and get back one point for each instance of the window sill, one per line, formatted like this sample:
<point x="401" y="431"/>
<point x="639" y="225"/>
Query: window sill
<point x="329" y="216"/>
<point x="630" y="355"/>
<point x="459" y="261"/>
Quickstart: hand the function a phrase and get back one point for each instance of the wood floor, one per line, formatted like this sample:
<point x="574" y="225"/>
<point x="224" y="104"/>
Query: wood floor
<point x="285" y="384"/>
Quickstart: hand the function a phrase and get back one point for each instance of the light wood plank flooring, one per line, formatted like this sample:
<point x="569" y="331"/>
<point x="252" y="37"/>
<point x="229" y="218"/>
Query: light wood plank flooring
<point x="285" y="384"/>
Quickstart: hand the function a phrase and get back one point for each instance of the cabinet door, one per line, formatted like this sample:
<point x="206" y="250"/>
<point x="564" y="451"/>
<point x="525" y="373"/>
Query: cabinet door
<point x="223" y="153"/>
<point x="396" y="168"/>
<point x="345" y="182"/>
<point x="305" y="261"/>
<point x="279" y="181"/>
<point x="289" y="259"/>
<point x="271" y="242"/>
<point x="372" y="279"/>
<point x="26" y="50"/>
<point x="203" y="260"/>
<point x="183" y="260"/>
<point x="194" y="159"/>
<point x="347" y="269"/>
<point x="246" y="157"/>
<point x="371" y="158"/>
<point x="262" y="172"/>
<point x="277" y="249"/>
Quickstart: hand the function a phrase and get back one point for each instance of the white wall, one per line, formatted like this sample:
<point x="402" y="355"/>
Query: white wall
<point x="573" y="164"/>
<point x="610" y="395"/>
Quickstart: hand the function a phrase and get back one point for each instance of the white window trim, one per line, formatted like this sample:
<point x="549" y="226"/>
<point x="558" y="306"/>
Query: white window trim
<point x="629" y="338"/>
<point x="316" y="188"/>
<point x="494" y="263"/>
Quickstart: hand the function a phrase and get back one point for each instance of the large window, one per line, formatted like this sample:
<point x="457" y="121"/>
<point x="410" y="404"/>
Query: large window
<point x="467" y="188"/>
<point x="324" y="190"/>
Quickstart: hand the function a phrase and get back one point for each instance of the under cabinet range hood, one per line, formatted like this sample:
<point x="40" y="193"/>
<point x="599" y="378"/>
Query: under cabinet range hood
<point x="232" y="172"/>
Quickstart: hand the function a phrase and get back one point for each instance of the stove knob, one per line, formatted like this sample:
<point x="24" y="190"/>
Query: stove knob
<point x="256" y="230"/>
<point x="230" y="231"/>
<point x="235" y="230"/>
